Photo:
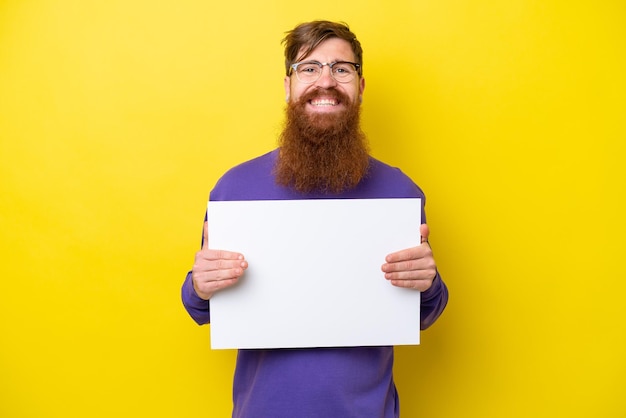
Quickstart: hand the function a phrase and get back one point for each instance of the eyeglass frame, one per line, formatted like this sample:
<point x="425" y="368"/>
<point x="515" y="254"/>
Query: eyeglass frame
<point x="294" y="69"/>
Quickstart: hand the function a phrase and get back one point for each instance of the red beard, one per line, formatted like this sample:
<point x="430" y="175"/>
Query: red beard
<point x="322" y="152"/>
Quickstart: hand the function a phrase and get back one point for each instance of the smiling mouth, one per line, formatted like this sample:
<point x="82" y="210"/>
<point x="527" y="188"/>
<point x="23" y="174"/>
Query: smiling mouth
<point x="324" y="102"/>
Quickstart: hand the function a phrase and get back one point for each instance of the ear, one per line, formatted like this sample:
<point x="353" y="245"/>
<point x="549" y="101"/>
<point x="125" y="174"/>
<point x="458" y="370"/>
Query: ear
<point x="361" y="86"/>
<point x="287" y="88"/>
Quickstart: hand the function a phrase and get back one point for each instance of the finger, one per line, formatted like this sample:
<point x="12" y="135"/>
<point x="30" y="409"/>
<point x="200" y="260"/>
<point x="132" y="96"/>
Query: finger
<point x="218" y="264"/>
<point x="421" y="285"/>
<point x="417" y="258"/>
<point x="208" y="271"/>
<point x="205" y="236"/>
<point x="206" y="289"/>
<point x="403" y="255"/>
<point x="222" y="284"/>
<point x="217" y="275"/>
<point x="424" y="232"/>
<point x="400" y="269"/>
<point x="223" y="255"/>
<point x="426" y="272"/>
<point x="409" y="253"/>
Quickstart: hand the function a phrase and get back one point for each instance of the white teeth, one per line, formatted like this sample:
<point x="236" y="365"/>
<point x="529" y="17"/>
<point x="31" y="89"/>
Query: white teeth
<point x="323" y="102"/>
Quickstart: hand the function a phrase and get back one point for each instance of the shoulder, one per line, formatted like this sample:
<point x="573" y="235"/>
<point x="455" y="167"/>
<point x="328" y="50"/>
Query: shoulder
<point x="243" y="181"/>
<point x="385" y="180"/>
<point x="254" y="166"/>
<point x="380" y="168"/>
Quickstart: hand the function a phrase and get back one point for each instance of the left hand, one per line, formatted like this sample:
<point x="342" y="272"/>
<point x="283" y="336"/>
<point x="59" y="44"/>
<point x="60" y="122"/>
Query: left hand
<point x="413" y="268"/>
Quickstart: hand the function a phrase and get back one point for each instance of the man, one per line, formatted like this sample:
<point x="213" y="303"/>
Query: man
<point x="322" y="154"/>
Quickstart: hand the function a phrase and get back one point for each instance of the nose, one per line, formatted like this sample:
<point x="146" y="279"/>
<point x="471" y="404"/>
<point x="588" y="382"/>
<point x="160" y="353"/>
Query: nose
<point x="326" y="78"/>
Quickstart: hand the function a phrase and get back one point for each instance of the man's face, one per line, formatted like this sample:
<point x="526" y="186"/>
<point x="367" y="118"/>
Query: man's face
<point x="322" y="101"/>
<point x="322" y="147"/>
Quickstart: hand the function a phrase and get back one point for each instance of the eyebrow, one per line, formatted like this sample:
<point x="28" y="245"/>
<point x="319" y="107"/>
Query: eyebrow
<point x="320" y="62"/>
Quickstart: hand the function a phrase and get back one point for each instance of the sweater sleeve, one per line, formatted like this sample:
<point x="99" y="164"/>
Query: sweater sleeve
<point x="433" y="302"/>
<point x="197" y="307"/>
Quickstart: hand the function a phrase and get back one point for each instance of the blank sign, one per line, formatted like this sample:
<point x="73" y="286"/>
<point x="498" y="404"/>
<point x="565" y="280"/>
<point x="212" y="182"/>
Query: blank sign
<point x="314" y="277"/>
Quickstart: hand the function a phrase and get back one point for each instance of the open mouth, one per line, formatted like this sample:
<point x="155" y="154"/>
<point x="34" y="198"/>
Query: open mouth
<point x="324" y="102"/>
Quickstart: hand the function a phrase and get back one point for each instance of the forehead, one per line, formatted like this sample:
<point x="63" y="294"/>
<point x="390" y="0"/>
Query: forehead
<point x="330" y="50"/>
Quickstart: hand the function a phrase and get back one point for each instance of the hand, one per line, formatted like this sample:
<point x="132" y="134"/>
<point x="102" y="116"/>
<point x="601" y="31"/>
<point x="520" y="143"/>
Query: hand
<point x="215" y="270"/>
<point x="413" y="268"/>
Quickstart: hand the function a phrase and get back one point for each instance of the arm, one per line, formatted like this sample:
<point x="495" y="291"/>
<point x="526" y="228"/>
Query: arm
<point x="197" y="307"/>
<point x="433" y="302"/>
<point x="415" y="268"/>
<point x="212" y="271"/>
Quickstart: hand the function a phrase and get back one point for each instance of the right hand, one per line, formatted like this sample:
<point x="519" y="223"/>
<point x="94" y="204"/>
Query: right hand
<point x="215" y="270"/>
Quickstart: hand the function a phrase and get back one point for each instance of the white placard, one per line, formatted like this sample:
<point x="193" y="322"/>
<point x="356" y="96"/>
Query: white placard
<point x="314" y="277"/>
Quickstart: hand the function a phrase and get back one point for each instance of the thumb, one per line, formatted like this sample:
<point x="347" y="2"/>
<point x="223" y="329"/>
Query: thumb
<point x="424" y="232"/>
<point x="205" y="236"/>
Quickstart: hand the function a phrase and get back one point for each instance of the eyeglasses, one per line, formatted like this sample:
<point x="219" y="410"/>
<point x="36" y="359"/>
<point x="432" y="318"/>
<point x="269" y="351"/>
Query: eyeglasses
<point x="309" y="72"/>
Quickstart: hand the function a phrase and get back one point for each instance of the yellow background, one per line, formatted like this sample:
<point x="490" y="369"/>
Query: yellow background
<point x="117" y="117"/>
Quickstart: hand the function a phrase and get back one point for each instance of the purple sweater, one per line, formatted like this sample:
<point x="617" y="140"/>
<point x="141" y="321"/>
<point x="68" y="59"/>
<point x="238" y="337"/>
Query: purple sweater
<point x="315" y="382"/>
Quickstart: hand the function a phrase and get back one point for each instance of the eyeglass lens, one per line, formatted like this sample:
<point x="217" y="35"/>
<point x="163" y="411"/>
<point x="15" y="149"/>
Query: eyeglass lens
<point x="309" y="72"/>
